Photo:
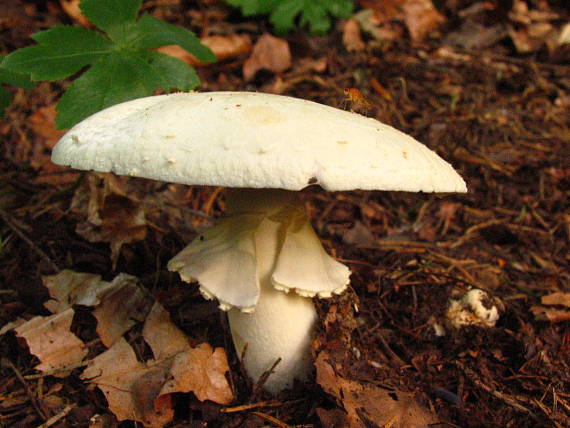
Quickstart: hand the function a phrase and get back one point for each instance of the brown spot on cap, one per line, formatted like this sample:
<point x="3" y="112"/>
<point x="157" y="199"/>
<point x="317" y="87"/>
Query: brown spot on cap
<point x="313" y="180"/>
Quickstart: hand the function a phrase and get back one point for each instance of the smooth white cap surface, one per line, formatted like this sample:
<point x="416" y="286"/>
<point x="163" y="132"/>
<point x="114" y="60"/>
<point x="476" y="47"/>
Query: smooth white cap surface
<point x="256" y="140"/>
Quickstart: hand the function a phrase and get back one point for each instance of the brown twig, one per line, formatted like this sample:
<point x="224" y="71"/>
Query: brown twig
<point x="31" y="396"/>
<point x="489" y="387"/>
<point x="56" y="418"/>
<point x="250" y="406"/>
<point x="9" y="222"/>
<point x="271" y="419"/>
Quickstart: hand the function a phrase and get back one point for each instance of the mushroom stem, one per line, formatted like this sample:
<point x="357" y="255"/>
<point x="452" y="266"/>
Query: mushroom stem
<point x="264" y="262"/>
<point x="281" y="325"/>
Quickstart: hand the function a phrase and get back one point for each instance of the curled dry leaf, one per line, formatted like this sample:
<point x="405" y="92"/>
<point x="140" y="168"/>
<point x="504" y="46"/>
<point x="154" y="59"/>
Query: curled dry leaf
<point x="123" y="304"/>
<point x="224" y="47"/>
<point x="368" y="405"/>
<point x="351" y="37"/>
<point x="135" y="390"/>
<point x="69" y="288"/>
<point x="141" y="390"/>
<point x="71" y="8"/>
<point x="421" y="17"/>
<point x="129" y="385"/>
<point x="120" y="304"/>
<point x="543" y="313"/>
<point x="533" y="28"/>
<point x="42" y="123"/>
<point x="107" y="213"/>
<point x="558" y="298"/>
<point x="269" y="53"/>
<point x="50" y="339"/>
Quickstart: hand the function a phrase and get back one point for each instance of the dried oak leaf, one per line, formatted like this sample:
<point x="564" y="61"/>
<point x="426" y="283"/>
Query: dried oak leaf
<point x="269" y="53"/>
<point x="558" y="298"/>
<point x="141" y="391"/>
<point x="123" y="304"/>
<point x="71" y="8"/>
<point x="107" y="213"/>
<point x="351" y="37"/>
<point x="368" y="405"/>
<point x="68" y="288"/>
<point x="224" y="47"/>
<point x="421" y="17"/>
<point x="543" y="313"/>
<point x="119" y="304"/>
<point x="50" y="339"/>
<point x="42" y="124"/>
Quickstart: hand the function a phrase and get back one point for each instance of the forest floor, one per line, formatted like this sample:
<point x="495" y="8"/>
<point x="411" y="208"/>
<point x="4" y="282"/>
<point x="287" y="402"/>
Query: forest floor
<point x="477" y="82"/>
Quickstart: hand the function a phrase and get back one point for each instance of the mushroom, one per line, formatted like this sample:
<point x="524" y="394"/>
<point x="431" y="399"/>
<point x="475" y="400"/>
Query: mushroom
<point x="263" y="261"/>
<point x="475" y="307"/>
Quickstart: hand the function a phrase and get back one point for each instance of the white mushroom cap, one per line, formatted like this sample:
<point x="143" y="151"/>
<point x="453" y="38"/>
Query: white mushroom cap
<point x="256" y="140"/>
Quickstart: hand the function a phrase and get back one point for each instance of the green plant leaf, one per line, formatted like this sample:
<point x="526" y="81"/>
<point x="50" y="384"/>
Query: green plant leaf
<point x="60" y="52"/>
<point x="120" y="77"/>
<point x="315" y="15"/>
<point x="172" y="73"/>
<point x="19" y="80"/>
<point x="149" y="33"/>
<point x="124" y="65"/>
<point x="283" y="13"/>
<point x="11" y="78"/>
<point x="5" y="100"/>
<point x="283" y="17"/>
<point x="340" y="8"/>
<point x="255" y="7"/>
<point x="111" y="16"/>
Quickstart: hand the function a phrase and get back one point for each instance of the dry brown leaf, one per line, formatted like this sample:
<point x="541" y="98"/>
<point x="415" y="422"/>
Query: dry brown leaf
<point x="129" y="385"/>
<point x="50" y="339"/>
<point x="532" y="37"/>
<point x="472" y="35"/>
<point x="333" y="418"/>
<point x="269" y="53"/>
<point x="200" y="370"/>
<point x="421" y="17"/>
<point x="142" y="391"/>
<point x="558" y="298"/>
<point x="384" y="10"/>
<point x="68" y="288"/>
<point x="12" y="325"/>
<point x="123" y="304"/>
<point x="542" y="313"/>
<point x="107" y="213"/>
<point x="368" y="405"/>
<point x="377" y="26"/>
<point x="358" y="235"/>
<point x="71" y="7"/>
<point x="531" y="29"/>
<point x="42" y="122"/>
<point x="224" y="47"/>
<point x="351" y="37"/>
<point x="120" y="304"/>
<point x="520" y="13"/>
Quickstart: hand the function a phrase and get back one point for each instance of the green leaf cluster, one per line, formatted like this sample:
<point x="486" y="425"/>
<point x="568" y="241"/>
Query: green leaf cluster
<point x="122" y="60"/>
<point x="284" y="13"/>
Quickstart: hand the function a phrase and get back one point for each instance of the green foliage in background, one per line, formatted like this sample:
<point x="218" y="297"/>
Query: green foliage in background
<point x="283" y="13"/>
<point x="122" y="60"/>
<point x="9" y="77"/>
